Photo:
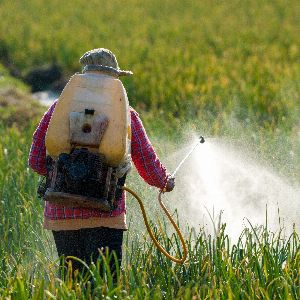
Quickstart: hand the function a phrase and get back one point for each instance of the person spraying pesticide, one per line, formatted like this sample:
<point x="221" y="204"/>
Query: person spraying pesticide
<point x="84" y="146"/>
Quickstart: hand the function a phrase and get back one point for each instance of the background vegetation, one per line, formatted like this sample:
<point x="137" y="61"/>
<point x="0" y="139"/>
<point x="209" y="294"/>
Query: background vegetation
<point x="191" y="59"/>
<point x="228" y="68"/>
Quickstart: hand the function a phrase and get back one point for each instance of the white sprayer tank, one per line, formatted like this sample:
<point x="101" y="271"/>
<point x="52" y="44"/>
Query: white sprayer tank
<point x="106" y="96"/>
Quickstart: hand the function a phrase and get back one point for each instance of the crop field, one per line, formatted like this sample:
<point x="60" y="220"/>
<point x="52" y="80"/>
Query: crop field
<point x="226" y="69"/>
<point x="260" y="265"/>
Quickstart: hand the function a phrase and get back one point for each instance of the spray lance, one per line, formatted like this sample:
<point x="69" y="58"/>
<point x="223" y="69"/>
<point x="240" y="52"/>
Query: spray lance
<point x="200" y="141"/>
<point x="157" y="244"/>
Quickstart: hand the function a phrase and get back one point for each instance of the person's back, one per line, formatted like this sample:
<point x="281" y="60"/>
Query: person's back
<point x="82" y="231"/>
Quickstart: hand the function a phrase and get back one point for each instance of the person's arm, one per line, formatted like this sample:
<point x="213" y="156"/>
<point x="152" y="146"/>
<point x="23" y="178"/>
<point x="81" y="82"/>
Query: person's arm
<point x="37" y="154"/>
<point x="144" y="157"/>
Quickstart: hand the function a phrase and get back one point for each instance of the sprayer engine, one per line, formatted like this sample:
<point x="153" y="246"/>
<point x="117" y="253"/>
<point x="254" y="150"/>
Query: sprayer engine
<point x="83" y="178"/>
<point x="81" y="172"/>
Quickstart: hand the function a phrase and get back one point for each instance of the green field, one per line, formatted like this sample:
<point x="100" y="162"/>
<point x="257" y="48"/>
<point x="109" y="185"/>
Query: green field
<point x="192" y="59"/>
<point x="224" y="68"/>
<point x="260" y="265"/>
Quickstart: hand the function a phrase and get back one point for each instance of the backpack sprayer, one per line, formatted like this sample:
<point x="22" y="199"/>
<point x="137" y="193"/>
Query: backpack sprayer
<point x="157" y="244"/>
<point x="88" y="143"/>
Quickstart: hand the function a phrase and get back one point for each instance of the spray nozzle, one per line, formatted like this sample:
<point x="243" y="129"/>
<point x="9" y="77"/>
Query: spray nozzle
<point x="201" y="139"/>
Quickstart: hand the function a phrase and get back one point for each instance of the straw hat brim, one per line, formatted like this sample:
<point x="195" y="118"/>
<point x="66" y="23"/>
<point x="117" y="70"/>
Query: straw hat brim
<point x="107" y="70"/>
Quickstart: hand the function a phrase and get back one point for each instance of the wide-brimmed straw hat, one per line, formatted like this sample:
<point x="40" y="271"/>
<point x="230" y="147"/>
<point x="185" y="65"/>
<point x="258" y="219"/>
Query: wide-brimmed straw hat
<point x="102" y="60"/>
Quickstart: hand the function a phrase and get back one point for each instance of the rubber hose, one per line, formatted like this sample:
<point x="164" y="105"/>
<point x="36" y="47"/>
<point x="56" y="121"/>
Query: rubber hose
<point x="157" y="244"/>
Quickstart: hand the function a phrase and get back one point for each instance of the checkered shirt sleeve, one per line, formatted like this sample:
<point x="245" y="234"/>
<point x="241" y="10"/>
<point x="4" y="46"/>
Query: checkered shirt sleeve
<point x="37" y="154"/>
<point x="143" y="155"/>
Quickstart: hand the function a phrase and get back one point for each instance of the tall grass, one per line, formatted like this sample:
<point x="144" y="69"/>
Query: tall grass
<point x="259" y="265"/>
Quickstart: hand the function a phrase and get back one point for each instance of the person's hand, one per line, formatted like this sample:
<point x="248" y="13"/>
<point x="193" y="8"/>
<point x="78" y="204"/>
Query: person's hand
<point x="170" y="184"/>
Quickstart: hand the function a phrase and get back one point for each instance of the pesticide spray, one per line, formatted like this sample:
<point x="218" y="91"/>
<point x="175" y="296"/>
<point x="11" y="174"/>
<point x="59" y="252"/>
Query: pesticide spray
<point x="220" y="183"/>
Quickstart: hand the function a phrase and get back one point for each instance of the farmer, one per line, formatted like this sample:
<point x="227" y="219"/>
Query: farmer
<point x="82" y="232"/>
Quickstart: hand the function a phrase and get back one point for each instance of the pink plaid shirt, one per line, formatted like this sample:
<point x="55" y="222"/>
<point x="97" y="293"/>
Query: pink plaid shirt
<point x="142" y="153"/>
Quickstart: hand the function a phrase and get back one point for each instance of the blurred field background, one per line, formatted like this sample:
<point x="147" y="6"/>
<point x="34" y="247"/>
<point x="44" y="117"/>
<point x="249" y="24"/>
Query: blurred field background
<point x="224" y="68"/>
<point x="216" y="64"/>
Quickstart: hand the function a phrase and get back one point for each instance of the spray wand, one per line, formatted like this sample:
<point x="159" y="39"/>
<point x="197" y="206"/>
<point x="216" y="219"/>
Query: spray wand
<point x="157" y="244"/>
<point x="201" y="141"/>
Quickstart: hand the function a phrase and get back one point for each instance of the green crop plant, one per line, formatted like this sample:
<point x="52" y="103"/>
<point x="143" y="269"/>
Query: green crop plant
<point x="259" y="265"/>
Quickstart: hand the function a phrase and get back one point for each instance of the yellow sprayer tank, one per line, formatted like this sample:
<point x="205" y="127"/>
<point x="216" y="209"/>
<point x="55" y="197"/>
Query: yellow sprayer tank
<point x="107" y="98"/>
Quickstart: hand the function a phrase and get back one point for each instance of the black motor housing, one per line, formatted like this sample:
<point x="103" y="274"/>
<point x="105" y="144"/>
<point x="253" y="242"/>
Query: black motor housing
<point x="86" y="174"/>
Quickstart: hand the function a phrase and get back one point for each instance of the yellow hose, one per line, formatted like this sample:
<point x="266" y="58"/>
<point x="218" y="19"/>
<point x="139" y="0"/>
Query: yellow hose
<point x="157" y="244"/>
